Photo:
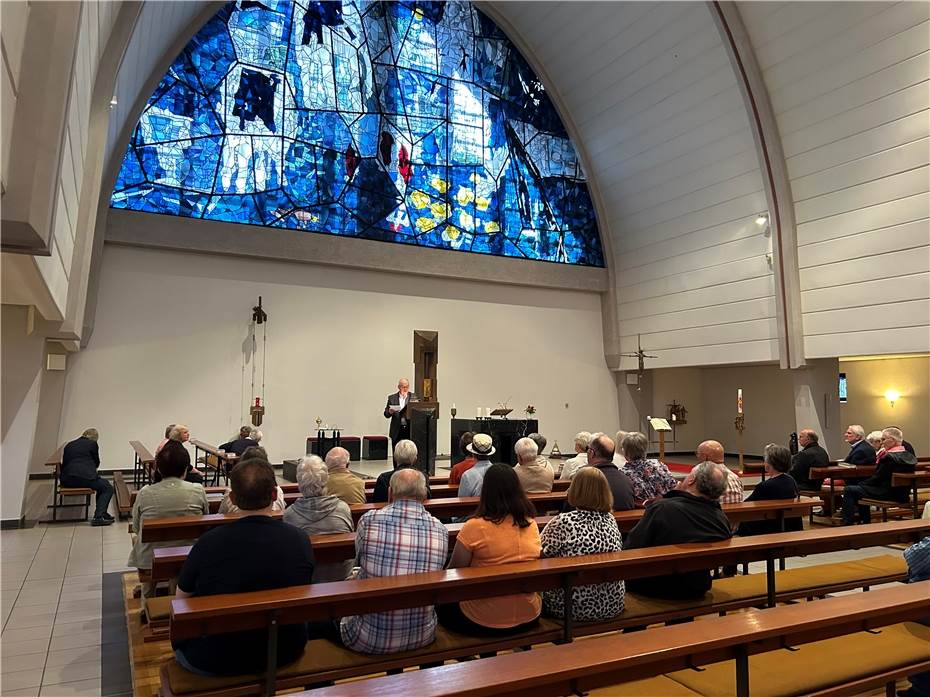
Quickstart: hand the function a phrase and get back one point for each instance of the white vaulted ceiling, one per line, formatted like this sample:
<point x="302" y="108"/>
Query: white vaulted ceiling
<point x="648" y="91"/>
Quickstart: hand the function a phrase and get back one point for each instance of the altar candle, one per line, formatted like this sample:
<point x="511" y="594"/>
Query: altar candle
<point x="453" y="405"/>
<point x="487" y="412"/>
<point x="478" y="412"/>
<point x="673" y="417"/>
<point x="739" y="400"/>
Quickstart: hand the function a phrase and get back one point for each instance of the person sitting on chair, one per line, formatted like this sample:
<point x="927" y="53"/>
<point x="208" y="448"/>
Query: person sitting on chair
<point x="79" y="462"/>
<point x="778" y="484"/>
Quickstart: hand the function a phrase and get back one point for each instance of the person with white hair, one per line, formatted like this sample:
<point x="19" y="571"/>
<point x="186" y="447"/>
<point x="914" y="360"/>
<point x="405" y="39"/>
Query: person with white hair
<point x="534" y="478"/>
<point x="79" y="462"/>
<point x="241" y="443"/>
<point x="343" y="483"/>
<point x="256" y="452"/>
<point x="405" y="455"/>
<point x="651" y="478"/>
<point x="875" y="440"/>
<point x="619" y="460"/>
<point x="860" y="451"/>
<point x="892" y="459"/>
<point x="401" y="538"/>
<point x="319" y="513"/>
<point x="573" y="464"/>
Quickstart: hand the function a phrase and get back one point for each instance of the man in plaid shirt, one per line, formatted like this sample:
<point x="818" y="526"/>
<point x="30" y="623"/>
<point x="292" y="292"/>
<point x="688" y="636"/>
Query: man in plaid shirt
<point x="401" y="538"/>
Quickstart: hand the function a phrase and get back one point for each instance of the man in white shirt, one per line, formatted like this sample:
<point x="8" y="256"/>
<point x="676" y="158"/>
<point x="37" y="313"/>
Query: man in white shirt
<point x="573" y="464"/>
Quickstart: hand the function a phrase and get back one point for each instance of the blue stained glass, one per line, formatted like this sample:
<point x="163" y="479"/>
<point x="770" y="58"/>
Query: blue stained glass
<point x="416" y="122"/>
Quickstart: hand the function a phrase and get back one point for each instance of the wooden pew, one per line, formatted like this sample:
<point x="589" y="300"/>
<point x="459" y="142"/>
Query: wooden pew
<point x="605" y="661"/>
<point x="915" y="481"/>
<point x="223" y="461"/>
<point x="195" y="617"/>
<point x="338" y="547"/>
<point x="457" y="507"/>
<point x="143" y="464"/>
<point x="59" y="492"/>
<point x="124" y="498"/>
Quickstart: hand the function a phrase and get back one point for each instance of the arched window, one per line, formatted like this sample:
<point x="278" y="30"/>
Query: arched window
<point x="412" y="122"/>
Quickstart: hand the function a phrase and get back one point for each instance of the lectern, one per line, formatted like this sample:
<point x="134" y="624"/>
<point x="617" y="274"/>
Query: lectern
<point x="422" y="418"/>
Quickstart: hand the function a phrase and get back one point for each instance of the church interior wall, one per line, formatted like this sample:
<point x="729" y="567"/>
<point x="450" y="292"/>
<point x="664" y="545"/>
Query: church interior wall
<point x="869" y="380"/>
<point x="170" y="329"/>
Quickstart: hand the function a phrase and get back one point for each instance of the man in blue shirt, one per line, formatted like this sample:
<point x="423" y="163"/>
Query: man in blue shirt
<point x="482" y="447"/>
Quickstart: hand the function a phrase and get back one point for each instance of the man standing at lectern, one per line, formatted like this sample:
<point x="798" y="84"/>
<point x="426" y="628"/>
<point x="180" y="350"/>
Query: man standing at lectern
<point x="396" y="411"/>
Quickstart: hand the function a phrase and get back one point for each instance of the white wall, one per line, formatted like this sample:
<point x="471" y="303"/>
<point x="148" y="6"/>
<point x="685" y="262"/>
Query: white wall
<point x="170" y="327"/>
<point x="656" y="104"/>
<point x="849" y="84"/>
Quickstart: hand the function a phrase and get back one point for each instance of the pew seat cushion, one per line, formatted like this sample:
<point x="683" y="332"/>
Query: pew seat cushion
<point x="849" y="658"/>
<point x="158" y="608"/>
<point x="659" y="686"/>
<point x="75" y="491"/>
<point x="325" y="656"/>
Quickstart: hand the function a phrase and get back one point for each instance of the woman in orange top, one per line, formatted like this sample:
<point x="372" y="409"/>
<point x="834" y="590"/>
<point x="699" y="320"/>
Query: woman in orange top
<point x="502" y="531"/>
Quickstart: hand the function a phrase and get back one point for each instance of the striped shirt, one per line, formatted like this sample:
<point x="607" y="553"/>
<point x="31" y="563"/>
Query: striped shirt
<point x="402" y="538"/>
<point x="917" y="557"/>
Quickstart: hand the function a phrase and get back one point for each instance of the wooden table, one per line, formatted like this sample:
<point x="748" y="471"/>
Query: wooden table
<point x="224" y="460"/>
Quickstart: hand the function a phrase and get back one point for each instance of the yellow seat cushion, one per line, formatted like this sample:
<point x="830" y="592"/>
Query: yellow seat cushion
<point x="816" y="666"/>
<point x="322" y="655"/>
<point x="659" y="686"/>
<point x="158" y="608"/>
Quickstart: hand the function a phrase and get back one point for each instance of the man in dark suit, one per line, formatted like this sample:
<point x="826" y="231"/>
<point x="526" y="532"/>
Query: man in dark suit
<point x="396" y="411"/>
<point x="811" y="455"/>
<point x="860" y="452"/>
<point x="242" y="443"/>
<point x="893" y="458"/>
<point x="79" y="463"/>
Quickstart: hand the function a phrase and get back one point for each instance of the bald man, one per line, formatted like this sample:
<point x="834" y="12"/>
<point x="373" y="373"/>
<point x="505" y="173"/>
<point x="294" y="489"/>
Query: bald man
<point x="712" y="451"/>
<point x="341" y="482"/>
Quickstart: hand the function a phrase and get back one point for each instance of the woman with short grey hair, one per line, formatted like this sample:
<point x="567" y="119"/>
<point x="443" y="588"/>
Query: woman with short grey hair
<point x="651" y="478"/>
<point x="319" y="513"/>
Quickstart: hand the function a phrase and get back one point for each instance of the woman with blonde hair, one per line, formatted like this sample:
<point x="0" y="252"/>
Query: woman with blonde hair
<point x="589" y="528"/>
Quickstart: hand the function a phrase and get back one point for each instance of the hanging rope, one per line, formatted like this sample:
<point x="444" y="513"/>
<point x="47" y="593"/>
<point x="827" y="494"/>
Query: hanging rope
<point x="264" y="356"/>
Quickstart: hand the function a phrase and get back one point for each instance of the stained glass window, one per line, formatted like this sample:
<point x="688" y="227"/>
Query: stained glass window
<point x="412" y="122"/>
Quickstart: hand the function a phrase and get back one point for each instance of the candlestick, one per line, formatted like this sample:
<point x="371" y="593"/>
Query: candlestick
<point x="739" y="400"/>
<point x="477" y="412"/>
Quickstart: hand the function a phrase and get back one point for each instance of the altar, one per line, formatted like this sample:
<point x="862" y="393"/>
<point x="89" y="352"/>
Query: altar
<point x="504" y="432"/>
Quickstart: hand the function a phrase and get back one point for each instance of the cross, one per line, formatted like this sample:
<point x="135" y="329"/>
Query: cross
<point x="641" y="357"/>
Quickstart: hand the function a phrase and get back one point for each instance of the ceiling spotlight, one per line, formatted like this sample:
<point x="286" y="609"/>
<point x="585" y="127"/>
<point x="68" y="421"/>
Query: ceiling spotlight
<point x="762" y="219"/>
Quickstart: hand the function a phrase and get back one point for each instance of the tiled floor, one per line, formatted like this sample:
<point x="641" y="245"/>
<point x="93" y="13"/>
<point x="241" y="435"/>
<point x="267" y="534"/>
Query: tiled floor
<point x="52" y="604"/>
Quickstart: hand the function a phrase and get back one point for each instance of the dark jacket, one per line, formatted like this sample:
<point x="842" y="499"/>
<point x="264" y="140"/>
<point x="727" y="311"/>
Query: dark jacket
<point x="772" y="489"/>
<point x="676" y="518"/>
<point x="238" y="446"/>
<point x="811" y="456"/>
<point x="878" y="486"/>
<point x="620" y="486"/>
<point x="862" y="453"/>
<point x="394" y="400"/>
<point x="909" y="447"/>
<point x="80" y="459"/>
<point x="383" y="483"/>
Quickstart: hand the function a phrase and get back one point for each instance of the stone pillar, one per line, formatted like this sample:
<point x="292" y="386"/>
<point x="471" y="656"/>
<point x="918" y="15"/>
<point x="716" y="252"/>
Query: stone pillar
<point x="817" y="404"/>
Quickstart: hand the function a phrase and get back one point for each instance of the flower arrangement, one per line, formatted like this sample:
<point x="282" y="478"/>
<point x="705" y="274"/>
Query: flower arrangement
<point x="530" y="410"/>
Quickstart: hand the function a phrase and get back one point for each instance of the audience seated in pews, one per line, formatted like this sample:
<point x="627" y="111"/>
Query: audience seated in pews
<point x="891" y="458"/>
<point x="810" y="455"/>
<point x="401" y="538"/>
<point x="256" y="452"/>
<point x="651" y="478"/>
<point x="689" y="513"/>
<point x="256" y="552"/>
<point x="405" y="456"/>
<point x="319" y="513"/>
<point x="875" y="440"/>
<point x="618" y="445"/>
<point x="541" y="459"/>
<point x="712" y="451"/>
<point x="466" y="463"/>
<point x="342" y="483"/>
<point x="482" y="447"/>
<point x="778" y="484"/>
<point x="917" y="557"/>
<point x="79" y="462"/>
<point x="589" y="528"/>
<point x="534" y="478"/>
<point x="572" y="464"/>
<point x="600" y="456"/>
<point x="503" y="530"/>
<point x="861" y="451"/>
<point x="168" y="498"/>
<point x="243" y="442"/>
<point x="180" y="434"/>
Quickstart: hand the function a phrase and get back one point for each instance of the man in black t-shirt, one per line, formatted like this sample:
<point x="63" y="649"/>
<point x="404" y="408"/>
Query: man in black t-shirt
<point x="257" y="552"/>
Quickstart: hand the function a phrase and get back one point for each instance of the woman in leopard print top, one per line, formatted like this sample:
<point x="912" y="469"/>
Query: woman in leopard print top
<point x="588" y="529"/>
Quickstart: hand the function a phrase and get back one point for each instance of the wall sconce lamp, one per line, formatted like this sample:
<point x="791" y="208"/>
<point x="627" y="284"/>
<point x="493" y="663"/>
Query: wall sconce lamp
<point x="892" y="396"/>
